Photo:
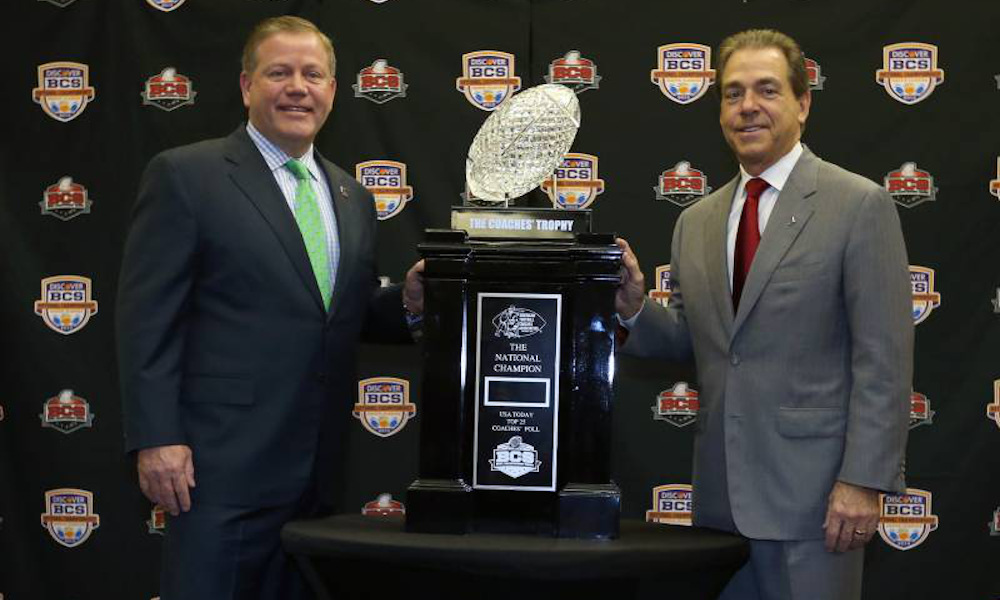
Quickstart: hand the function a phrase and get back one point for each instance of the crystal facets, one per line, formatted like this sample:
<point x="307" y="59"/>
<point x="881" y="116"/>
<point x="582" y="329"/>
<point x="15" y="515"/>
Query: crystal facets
<point x="522" y="142"/>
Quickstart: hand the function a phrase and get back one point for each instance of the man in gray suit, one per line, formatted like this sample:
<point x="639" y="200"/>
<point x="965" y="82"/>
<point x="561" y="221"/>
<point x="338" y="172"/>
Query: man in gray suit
<point x="791" y="292"/>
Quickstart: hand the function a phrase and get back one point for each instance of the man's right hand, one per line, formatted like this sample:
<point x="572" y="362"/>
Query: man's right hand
<point x="632" y="289"/>
<point x="165" y="475"/>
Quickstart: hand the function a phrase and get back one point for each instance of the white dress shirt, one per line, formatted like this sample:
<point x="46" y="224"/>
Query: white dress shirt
<point x="276" y="158"/>
<point x="776" y="176"/>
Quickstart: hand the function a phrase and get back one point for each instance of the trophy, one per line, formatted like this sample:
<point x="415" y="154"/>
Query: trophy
<point x="518" y="147"/>
<point x="521" y="144"/>
<point x="518" y="337"/>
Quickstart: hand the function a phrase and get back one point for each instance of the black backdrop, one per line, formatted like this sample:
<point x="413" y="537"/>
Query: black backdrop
<point x="637" y="132"/>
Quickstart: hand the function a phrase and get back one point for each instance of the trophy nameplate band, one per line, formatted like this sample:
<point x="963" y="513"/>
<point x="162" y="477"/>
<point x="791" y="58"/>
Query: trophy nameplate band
<point x="507" y="223"/>
<point x="516" y="433"/>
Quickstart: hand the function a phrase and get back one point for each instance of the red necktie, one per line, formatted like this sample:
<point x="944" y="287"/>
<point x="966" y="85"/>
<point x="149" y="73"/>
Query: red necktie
<point x="747" y="237"/>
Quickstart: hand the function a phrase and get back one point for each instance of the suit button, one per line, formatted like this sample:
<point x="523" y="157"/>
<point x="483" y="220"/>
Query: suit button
<point x="321" y="377"/>
<point x="734" y="359"/>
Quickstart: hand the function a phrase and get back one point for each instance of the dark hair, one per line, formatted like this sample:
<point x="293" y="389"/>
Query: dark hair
<point x="767" y="38"/>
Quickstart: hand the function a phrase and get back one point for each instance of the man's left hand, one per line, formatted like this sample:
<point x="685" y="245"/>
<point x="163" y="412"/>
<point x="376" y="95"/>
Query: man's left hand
<point x="413" y="289"/>
<point x="851" y="517"/>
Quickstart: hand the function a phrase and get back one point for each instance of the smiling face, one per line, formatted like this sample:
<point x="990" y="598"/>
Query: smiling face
<point x="761" y="117"/>
<point x="290" y="92"/>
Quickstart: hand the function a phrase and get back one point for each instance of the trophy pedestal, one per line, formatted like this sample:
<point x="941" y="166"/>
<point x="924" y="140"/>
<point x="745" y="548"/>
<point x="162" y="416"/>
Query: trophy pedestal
<point x="517" y="386"/>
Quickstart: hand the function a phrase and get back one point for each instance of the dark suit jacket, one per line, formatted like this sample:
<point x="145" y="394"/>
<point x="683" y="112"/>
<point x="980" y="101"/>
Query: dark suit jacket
<point x="809" y="381"/>
<point x="223" y="341"/>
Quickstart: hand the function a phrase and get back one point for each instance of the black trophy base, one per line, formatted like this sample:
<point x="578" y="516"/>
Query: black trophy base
<point x="439" y="506"/>
<point x="518" y="353"/>
<point x="585" y="511"/>
<point x="589" y="511"/>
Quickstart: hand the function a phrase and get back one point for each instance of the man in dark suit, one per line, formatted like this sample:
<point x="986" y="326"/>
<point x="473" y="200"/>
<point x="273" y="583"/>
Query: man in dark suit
<point x="247" y="282"/>
<point x="791" y="292"/>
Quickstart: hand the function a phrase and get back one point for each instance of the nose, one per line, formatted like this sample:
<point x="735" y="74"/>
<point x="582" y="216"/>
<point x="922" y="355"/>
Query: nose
<point x="296" y="84"/>
<point x="748" y="103"/>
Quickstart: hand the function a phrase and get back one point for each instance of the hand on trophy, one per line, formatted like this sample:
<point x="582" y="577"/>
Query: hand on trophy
<point x="413" y="289"/>
<point x="631" y="290"/>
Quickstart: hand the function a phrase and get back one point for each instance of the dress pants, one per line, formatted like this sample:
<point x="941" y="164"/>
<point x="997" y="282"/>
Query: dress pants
<point x="797" y="570"/>
<point x="216" y="552"/>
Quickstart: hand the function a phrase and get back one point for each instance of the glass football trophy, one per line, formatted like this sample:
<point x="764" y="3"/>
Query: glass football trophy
<point x="521" y="144"/>
<point x="518" y="334"/>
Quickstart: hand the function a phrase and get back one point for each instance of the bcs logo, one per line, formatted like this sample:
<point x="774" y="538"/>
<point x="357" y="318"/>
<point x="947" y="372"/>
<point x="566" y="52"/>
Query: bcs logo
<point x="65" y="199"/>
<point x="165" y="5"/>
<point x="683" y="74"/>
<point x="920" y="410"/>
<point x="993" y="410"/>
<point x="682" y="185"/>
<point x="383" y="506"/>
<point x="384" y="405"/>
<point x="925" y="299"/>
<point x="515" y="458"/>
<point x="386" y="180"/>
<point x="63" y="89"/>
<point x="157" y="523"/>
<point x="168" y="90"/>
<point x="66" y="304"/>
<point x="906" y="519"/>
<point x="995" y="183"/>
<point x="671" y="504"/>
<point x="677" y="406"/>
<point x="575" y="184"/>
<point x="69" y="516"/>
<point x="574" y="71"/>
<point x="66" y="412"/>
<point x="910" y="186"/>
<point x="487" y="78"/>
<point x="815" y="73"/>
<point x="661" y="293"/>
<point x="909" y="71"/>
<point x="380" y="83"/>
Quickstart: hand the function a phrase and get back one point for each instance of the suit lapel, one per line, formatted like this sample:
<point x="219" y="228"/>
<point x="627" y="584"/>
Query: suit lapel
<point x="789" y="217"/>
<point x="347" y="233"/>
<point x="716" y="232"/>
<point x="254" y="179"/>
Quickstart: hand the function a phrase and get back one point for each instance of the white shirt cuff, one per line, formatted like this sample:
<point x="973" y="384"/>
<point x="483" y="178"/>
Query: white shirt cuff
<point x="630" y="322"/>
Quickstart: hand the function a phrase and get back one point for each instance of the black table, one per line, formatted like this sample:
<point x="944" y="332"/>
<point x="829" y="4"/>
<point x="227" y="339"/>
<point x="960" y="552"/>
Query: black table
<point x="360" y="557"/>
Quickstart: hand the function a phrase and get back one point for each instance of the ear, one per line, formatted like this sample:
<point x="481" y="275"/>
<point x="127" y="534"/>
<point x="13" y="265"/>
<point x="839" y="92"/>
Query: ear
<point x="805" y="101"/>
<point x="333" y="88"/>
<point x="245" y="88"/>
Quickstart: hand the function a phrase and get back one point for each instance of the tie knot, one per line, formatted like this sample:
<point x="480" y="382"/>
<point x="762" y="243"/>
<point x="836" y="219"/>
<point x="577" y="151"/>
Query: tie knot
<point x="301" y="172"/>
<point x="756" y="187"/>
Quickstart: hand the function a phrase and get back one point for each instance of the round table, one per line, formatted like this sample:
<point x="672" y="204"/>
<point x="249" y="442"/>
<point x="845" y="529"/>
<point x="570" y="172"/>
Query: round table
<point x="355" y="554"/>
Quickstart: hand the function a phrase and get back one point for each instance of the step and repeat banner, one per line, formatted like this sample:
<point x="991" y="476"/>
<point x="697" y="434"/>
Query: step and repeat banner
<point x="906" y="93"/>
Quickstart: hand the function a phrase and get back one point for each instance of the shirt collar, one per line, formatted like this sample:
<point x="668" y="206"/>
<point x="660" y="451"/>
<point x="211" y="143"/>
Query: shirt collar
<point x="275" y="157"/>
<point x="777" y="174"/>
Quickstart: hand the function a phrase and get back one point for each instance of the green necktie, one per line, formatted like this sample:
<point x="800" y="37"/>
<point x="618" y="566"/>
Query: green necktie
<point x="310" y="222"/>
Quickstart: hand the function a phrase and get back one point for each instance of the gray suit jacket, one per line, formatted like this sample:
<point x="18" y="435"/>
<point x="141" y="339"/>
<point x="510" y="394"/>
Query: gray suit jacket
<point x="809" y="382"/>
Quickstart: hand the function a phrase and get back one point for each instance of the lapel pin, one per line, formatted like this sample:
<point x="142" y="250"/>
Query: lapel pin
<point x="792" y="222"/>
<point x="343" y="191"/>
